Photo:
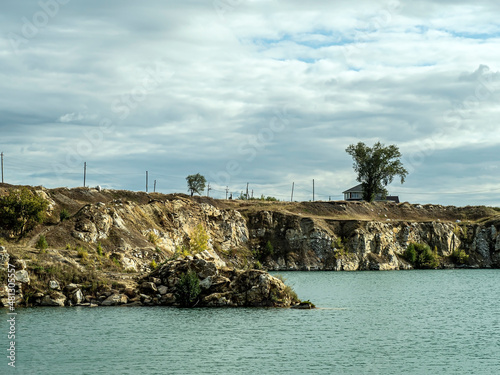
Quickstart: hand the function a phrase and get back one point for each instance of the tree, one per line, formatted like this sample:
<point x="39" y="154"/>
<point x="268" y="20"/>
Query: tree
<point x="21" y="210"/>
<point x="376" y="167"/>
<point x="196" y="183"/>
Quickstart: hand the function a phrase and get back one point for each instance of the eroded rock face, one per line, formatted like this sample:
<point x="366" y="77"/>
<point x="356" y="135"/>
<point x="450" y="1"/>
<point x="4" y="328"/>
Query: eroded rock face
<point x="315" y="244"/>
<point x="93" y="223"/>
<point x="167" y="225"/>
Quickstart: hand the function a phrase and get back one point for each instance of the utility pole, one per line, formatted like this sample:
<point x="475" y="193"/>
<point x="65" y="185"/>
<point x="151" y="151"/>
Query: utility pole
<point x="146" y="181"/>
<point x="313" y="189"/>
<point x="2" y="167"/>
<point x="154" y="189"/>
<point x="293" y="185"/>
<point x="84" y="173"/>
<point x="208" y="189"/>
<point x="252" y="193"/>
<point x="247" y="191"/>
<point x="227" y="190"/>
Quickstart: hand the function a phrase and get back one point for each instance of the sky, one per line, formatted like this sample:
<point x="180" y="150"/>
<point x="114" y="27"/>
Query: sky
<point x="268" y="93"/>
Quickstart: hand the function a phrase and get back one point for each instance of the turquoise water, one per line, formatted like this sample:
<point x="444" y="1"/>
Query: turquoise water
<point x="406" y="322"/>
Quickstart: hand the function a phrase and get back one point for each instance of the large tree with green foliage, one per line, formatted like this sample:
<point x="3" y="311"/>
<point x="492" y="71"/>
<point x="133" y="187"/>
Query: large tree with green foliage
<point x="21" y="210"/>
<point x="196" y="183"/>
<point x="376" y="167"/>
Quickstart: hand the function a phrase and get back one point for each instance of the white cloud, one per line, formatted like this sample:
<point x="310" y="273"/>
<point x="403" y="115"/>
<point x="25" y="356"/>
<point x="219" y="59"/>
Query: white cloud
<point x="403" y="73"/>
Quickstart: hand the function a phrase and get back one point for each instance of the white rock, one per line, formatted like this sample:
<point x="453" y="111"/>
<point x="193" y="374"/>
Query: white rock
<point x="53" y="284"/>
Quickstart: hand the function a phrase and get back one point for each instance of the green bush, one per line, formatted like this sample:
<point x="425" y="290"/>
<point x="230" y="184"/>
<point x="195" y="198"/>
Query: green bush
<point x="263" y="252"/>
<point x="427" y="259"/>
<point x="269" y="249"/>
<point x="257" y="265"/>
<point x="199" y="240"/>
<point x="459" y="256"/>
<point x="153" y="264"/>
<point x="421" y="256"/>
<point x="410" y="253"/>
<point x="99" y="249"/>
<point x="64" y="215"/>
<point x="188" y="289"/>
<point x="42" y="243"/>
<point x="21" y="210"/>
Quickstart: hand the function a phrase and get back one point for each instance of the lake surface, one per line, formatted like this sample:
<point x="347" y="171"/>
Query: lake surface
<point x="399" y="322"/>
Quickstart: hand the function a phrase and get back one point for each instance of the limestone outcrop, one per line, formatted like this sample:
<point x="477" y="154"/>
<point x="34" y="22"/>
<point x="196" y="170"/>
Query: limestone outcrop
<point x="303" y="243"/>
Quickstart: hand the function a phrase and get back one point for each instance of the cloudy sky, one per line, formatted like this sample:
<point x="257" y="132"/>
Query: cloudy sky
<point x="264" y="92"/>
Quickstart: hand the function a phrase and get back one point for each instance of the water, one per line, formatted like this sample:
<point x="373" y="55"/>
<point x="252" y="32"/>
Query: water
<point x="406" y="322"/>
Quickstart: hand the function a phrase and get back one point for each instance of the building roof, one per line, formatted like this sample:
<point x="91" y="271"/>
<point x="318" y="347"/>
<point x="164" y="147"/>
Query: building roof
<point x="355" y="189"/>
<point x="392" y="198"/>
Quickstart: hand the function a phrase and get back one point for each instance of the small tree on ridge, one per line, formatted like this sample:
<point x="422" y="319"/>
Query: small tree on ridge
<point x="196" y="183"/>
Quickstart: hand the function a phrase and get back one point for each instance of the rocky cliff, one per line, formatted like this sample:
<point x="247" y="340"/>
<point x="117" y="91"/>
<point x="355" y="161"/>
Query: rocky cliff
<point x="305" y="243"/>
<point x="110" y="241"/>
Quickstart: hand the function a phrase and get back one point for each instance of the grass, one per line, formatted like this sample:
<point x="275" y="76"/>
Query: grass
<point x="100" y="250"/>
<point x="153" y="238"/>
<point x="82" y="253"/>
<point x="64" y="215"/>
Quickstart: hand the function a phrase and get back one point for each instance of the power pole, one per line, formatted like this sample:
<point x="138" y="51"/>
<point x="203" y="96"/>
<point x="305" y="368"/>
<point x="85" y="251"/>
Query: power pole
<point x="154" y="189"/>
<point x="247" y="191"/>
<point x="208" y="189"/>
<point x="146" y="181"/>
<point x="84" y="173"/>
<point x="227" y="190"/>
<point x="313" y="189"/>
<point x="2" y="167"/>
<point x="252" y="193"/>
<point x="293" y="185"/>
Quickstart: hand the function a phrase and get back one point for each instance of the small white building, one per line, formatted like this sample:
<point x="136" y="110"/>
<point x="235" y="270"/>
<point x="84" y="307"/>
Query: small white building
<point x="356" y="194"/>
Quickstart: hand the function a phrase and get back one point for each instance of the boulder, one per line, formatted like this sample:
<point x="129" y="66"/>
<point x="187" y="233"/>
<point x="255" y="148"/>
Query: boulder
<point x="115" y="299"/>
<point x="70" y="288"/>
<point x="22" y="277"/>
<point x="54" y="285"/>
<point x="54" y="299"/>
<point x="206" y="283"/>
<point x="211" y="256"/>
<point x="4" y="291"/>
<point x="77" y="297"/>
<point x="168" y="299"/>
<point x="4" y="257"/>
<point x="149" y="287"/>
<point x="130" y="292"/>
<point x="162" y="289"/>
<point x="203" y="268"/>
<point x="218" y="300"/>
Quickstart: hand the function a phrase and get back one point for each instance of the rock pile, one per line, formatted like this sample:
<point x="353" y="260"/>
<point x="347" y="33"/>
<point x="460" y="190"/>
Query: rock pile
<point x="216" y="285"/>
<point x="219" y="286"/>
